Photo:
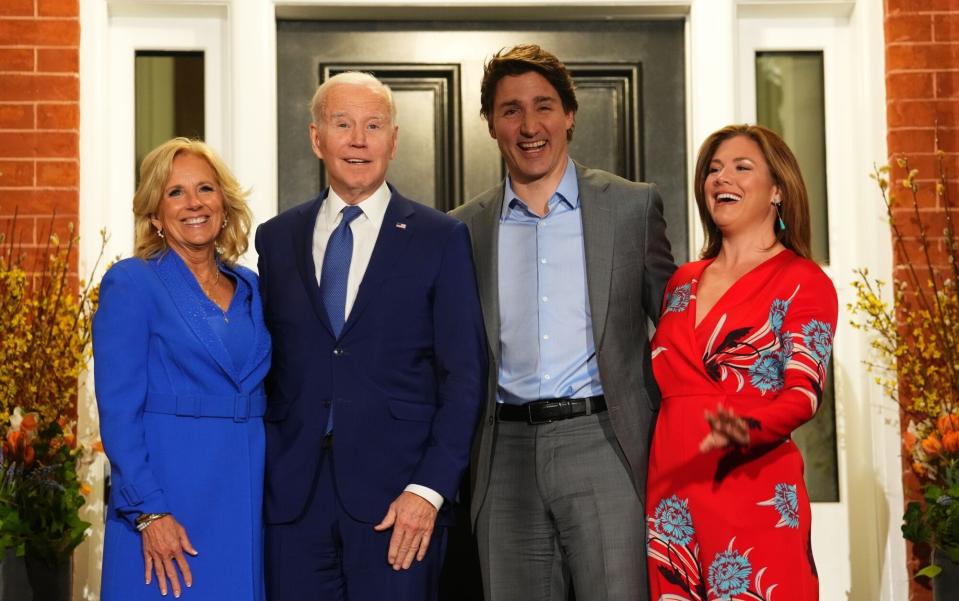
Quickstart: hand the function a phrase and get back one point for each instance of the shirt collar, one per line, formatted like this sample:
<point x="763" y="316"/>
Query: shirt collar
<point x="374" y="206"/>
<point x="567" y="191"/>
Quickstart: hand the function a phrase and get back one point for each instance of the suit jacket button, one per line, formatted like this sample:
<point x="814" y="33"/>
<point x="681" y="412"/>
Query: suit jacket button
<point x="490" y="420"/>
<point x="327" y="403"/>
<point x="337" y="352"/>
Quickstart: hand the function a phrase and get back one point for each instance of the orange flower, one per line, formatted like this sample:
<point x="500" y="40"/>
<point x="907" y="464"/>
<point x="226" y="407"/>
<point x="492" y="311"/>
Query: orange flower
<point x="97" y="446"/>
<point x="931" y="445"/>
<point x="14" y="438"/>
<point x="28" y="456"/>
<point x="909" y="441"/>
<point x="918" y="469"/>
<point x="71" y="440"/>
<point x="30" y="422"/>
<point x="948" y="423"/>
<point x="14" y="442"/>
<point x="950" y="442"/>
<point x="85" y="489"/>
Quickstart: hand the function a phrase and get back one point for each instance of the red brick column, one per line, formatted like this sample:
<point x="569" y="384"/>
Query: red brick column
<point x="39" y="116"/>
<point x="922" y="89"/>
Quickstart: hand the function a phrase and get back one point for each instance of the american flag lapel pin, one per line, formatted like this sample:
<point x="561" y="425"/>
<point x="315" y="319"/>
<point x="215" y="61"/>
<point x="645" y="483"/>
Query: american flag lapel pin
<point x="401" y="226"/>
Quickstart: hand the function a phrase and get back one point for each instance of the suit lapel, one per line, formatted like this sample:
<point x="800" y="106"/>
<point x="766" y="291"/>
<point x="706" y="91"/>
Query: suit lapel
<point x="397" y="229"/>
<point x="303" y="251"/>
<point x="484" y="229"/>
<point x="173" y="273"/>
<point x="598" y="244"/>
<point x="261" y="342"/>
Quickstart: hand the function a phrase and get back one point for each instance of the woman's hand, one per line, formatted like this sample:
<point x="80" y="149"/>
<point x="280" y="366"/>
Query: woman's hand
<point x="726" y="429"/>
<point x="164" y="542"/>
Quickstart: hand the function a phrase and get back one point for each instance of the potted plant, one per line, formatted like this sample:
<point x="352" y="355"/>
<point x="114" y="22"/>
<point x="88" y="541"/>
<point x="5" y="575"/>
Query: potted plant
<point x="915" y="341"/>
<point x="934" y="520"/>
<point x="45" y="329"/>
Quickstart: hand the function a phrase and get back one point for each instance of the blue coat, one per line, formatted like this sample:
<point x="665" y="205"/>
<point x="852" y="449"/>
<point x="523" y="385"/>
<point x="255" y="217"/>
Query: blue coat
<point x="406" y="377"/>
<point x="182" y="427"/>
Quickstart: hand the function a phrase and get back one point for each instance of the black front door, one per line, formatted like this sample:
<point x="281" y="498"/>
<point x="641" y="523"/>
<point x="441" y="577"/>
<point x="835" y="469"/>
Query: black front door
<point x="630" y="86"/>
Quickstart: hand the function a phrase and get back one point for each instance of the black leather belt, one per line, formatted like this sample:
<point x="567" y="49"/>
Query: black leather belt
<point x="550" y="410"/>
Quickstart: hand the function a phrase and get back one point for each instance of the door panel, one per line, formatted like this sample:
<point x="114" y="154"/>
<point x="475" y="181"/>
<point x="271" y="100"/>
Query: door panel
<point x="629" y="76"/>
<point x="607" y="133"/>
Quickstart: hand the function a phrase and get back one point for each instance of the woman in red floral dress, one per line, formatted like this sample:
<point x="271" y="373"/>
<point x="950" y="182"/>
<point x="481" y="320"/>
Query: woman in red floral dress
<point x="740" y="355"/>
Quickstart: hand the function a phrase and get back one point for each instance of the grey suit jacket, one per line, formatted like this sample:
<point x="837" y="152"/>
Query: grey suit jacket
<point x="628" y="262"/>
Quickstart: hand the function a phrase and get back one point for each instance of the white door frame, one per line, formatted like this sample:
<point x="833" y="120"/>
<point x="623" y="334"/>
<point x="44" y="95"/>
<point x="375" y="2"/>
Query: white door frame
<point x="243" y="107"/>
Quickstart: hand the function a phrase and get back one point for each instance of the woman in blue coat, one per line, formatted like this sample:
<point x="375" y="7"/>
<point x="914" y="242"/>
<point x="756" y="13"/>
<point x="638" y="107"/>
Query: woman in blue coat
<point x="180" y="353"/>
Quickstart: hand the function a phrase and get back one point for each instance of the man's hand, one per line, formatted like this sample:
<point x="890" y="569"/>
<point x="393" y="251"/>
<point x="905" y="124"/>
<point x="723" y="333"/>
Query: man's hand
<point x="412" y="518"/>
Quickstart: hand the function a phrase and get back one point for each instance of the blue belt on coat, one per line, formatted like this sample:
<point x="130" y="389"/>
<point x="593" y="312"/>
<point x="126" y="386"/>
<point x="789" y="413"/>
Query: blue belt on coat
<point x="240" y="407"/>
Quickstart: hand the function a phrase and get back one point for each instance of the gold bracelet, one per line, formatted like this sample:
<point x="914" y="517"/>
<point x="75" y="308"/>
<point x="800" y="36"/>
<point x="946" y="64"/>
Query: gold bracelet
<point x="148" y="518"/>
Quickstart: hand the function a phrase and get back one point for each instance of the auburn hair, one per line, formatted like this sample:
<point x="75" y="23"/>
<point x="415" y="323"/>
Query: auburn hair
<point x="785" y="173"/>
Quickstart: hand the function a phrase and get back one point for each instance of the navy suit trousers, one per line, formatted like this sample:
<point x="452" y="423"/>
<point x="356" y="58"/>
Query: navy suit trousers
<point x="326" y="555"/>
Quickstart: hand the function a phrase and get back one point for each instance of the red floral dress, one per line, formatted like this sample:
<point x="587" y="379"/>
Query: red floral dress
<point x="734" y="524"/>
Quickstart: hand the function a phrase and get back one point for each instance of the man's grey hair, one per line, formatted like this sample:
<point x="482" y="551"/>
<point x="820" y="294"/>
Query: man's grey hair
<point x="355" y="78"/>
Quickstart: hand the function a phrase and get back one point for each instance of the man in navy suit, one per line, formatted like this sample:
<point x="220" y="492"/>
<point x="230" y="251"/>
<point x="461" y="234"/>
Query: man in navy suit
<point x="379" y="368"/>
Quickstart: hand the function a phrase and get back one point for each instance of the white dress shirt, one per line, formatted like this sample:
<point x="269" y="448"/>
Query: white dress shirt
<point x="365" y="229"/>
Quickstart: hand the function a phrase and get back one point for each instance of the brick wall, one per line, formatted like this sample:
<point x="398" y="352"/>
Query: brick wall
<point x="39" y="116"/>
<point x="922" y="90"/>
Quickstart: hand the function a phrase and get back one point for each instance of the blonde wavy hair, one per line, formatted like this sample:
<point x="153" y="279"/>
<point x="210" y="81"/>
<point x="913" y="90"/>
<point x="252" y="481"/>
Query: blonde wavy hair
<point x="232" y="241"/>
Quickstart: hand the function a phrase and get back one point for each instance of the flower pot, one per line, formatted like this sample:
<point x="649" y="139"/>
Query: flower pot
<point x="13" y="578"/>
<point x="50" y="582"/>
<point x="945" y="586"/>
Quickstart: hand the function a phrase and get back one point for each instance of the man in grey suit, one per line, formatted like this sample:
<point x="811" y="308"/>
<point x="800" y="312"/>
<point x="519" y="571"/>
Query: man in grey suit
<point x="571" y="262"/>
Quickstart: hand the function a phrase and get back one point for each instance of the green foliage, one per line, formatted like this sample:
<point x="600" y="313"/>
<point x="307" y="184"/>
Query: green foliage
<point x="930" y="571"/>
<point x="914" y="526"/>
<point x="935" y="519"/>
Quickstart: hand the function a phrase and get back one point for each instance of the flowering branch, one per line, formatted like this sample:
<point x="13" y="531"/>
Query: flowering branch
<point x="45" y="333"/>
<point x="915" y="341"/>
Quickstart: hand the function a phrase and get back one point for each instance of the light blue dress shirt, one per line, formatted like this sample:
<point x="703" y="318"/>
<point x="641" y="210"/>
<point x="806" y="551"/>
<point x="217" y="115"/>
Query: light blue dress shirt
<point x="546" y="333"/>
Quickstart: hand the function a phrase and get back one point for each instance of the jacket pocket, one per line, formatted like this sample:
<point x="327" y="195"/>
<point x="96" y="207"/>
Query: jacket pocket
<point x="411" y="411"/>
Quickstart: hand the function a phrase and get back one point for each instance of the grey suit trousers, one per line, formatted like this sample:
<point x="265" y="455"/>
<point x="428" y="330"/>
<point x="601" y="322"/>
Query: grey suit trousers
<point x="561" y="506"/>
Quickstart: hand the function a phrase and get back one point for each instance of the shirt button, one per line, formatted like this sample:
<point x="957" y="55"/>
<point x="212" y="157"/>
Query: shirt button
<point x="337" y="352"/>
<point x="545" y="299"/>
<point x="543" y="261"/>
<point x="546" y="377"/>
<point x="545" y="336"/>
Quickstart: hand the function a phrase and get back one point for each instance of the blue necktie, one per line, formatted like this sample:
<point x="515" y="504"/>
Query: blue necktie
<point x="335" y="274"/>
<point x="336" y="269"/>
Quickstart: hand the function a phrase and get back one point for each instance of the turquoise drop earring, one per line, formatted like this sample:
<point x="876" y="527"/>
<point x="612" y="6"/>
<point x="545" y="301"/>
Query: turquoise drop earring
<point x="782" y="224"/>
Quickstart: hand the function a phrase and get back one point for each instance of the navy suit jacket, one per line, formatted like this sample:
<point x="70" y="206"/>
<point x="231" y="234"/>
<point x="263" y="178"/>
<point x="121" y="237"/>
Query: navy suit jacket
<point x="406" y="378"/>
